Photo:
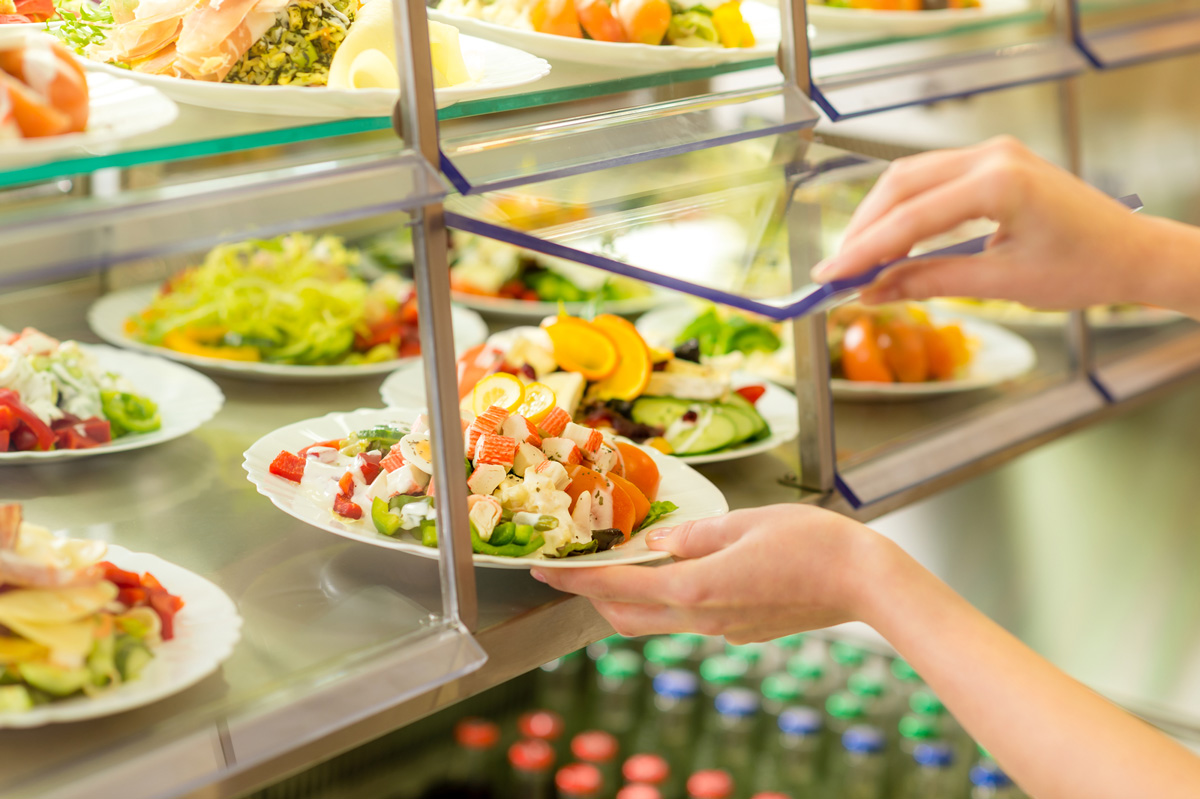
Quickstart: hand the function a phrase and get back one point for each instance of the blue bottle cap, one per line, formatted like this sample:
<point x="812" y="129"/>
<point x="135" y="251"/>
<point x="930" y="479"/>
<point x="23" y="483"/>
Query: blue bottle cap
<point x="800" y="721"/>
<point x="863" y="739"/>
<point x="676" y="684"/>
<point x="739" y="702"/>
<point x="934" y="755"/>
<point x="989" y="775"/>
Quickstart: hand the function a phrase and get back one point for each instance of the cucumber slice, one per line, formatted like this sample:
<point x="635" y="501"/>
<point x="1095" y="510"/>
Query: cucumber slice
<point x="55" y="680"/>
<point x="15" y="699"/>
<point x="736" y="400"/>
<point x="742" y="421"/>
<point x="659" y="411"/>
<point x="753" y="423"/>
<point x="132" y="658"/>
<point x="714" y="430"/>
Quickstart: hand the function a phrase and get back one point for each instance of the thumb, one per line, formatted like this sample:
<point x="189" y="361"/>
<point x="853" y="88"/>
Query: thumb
<point x="979" y="275"/>
<point x="696" y="538"/>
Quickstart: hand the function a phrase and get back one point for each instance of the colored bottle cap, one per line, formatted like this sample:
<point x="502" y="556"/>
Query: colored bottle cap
<point x="666" y="651"/>
<point x="989" y="775"/>
<point x="770" y="795"/>
<point x="693" y="640"/>
<point x="918" y="728"/>
<point x="739" y="702"/>
<point x="710" y="784"/>
<point x="804" y="668"/>
<point x="476" y="733"/>
<point x="723" y="669"/>
<point x="903" y="672"/>
<point x="790" y="643"/>
<point x="602" y="647"/>
<point x="541" y="724"/>
<point x="578" y="778"/>
<point x="676" y="684"/>
<point x="751" y="653"/>
<point x="937" y="754"/>
<point x="594" y="746"/>
<point x="800" y="721"/>
<point x="621" y="664"/>
<point x="845" y="654"/>
<point x="639" y="791"/>
<point x="864" y="684"/>
<point x="647" y="768"/>
<point x="844" y="705"/>
<point x="863" y="739"/>
<point x="782" y="687"/>
<point x="531" y="754"/>
<point x="926" y="702"/>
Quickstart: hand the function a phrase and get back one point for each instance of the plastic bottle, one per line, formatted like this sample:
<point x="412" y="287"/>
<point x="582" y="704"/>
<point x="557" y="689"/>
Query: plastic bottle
<point x="861" y="770"/>
<point x="547" y="726"/>
<point x="646" y="769"/>
<point x="905" y="680"/>
<point x="792" y="760"/>
<point x="612" y="643"/>
<point x="666" y="652"/>
<point x="932" y="775"/>
<point x="760" y="661"/>
<point x="720" y="672"/>
<point x="600" y="749"/>
<point x="925" y="702"/>
<point x="710" y="784"/>
<point x="617" y="702"/>
<point x="531" y="769"/>
<point x="912" y="731"/>
<point x="639" y="790"/>
<point x="671" y="729"/>
<point x="699" y="647"/>
<point x="735" y="734"/>
<point x="779" y="691"/>
<point x="871" y="689"/>
<point x="843" y="710"/>
<point x="578" y="781"/>
<point x="560" y="684"/>
<point x="811" y="671"/>
<point x="988" y="781"/>
<point x="846" y="659"/>
<point x="789" y="645"/>
<point x="474" y="769"/>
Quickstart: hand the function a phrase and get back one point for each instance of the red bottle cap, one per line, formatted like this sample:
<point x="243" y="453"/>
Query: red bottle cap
<point x="541" y="724"/>
<point x="476" y="733"/>
<point x="580" y="779"/>
<point x="594" y="746"/>
<point x="650" y="769"/>
<point x="770" y="795"/>
<point x="532" y="754"/>
<point x="710" y="784"/>
<point x="639" y="791"/>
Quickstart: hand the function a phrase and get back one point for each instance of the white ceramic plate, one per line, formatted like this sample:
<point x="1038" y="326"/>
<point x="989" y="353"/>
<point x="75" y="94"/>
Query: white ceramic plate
<point x="185" y="398"/>
<point x="999" y="355"/>
<point x="206" y="630"/>
<point x="911" y="23"/>
<point x="107" y="319"/>
<point x="696" y="497"/>
<point x="494" y="66"/>
<point x="119" y="108"/>
<point x="763" y="19"/>
<point x="405" y="388"/>
<point x="534" y="312"/>
<point x="1026" y="320"/>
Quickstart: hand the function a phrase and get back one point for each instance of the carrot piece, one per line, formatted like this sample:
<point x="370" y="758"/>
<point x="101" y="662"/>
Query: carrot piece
<point x="645" y="21"/>
<point x="598" y="21"/>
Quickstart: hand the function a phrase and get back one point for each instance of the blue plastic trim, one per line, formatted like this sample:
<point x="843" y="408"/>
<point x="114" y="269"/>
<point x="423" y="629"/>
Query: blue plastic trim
<point x="1085" y="46"/>
<point x="847" y="492"/>
<point x="1101" y="389"/>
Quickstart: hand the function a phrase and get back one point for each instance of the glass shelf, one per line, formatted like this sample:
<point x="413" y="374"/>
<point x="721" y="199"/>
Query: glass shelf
<point x="1115" y="34"/>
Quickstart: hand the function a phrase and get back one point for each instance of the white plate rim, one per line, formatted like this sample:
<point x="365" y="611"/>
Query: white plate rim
<point x="283" y="494"/>
<point x="217" y="631"/>
<point x="205" y="400"/>
<point x="536" y="310"/>
<point x="1032" y="322"/>
<point x="913" y="22"/>
<point x="107" y="315"/>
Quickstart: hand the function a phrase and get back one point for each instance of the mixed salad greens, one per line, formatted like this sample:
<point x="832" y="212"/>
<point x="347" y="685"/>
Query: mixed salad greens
<point x="53" y="395"/>
<point x="71" y="623"/>
<point x="295" y="299"/>
<point x="539" y="484"/>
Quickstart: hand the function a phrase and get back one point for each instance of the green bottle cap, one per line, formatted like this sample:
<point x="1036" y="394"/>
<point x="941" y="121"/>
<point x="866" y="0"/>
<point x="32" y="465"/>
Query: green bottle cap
<point x="600" y="648"/>
<point x="845" y="654"/>
<point x="723" y="669"/>
<point x="803" y="668"/>
<point x="926" y="703"/>
<point x="694" y="640"/>
<point x="782" y="687"/>
<point x="790" y="643"/>
<point x="751" y="653"/>
<point x="865" y="684"/>
<point x="666" y="652"/>
<point x="918" y="728"/>
<point x="844" y="705"/>
<point x="621" y="664"/>
<point x="904" y="672"/>
<point x="983" y="752"/>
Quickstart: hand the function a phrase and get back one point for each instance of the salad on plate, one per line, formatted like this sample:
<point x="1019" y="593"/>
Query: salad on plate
<point x="540" y="485"/>
<point x="71" y="623"/>
<point x="54" y="395"/>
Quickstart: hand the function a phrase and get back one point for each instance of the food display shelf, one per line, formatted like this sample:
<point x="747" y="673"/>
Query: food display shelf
<point x="1117" y="34"/>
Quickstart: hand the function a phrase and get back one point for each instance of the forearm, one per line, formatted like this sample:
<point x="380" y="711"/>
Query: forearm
<point x="1167" y="272"/>
<point x="1056" y="738"/>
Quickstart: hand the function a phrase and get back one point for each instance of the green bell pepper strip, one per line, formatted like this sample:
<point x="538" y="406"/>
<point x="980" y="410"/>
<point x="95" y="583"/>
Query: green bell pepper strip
<point x="429" y="535"/>
<point x="503" y="534"/>
<point x="524" y="534"/>
<point x="129" y="413"/>
<point x="482" y="547"/>
<point x="385" y="521"/>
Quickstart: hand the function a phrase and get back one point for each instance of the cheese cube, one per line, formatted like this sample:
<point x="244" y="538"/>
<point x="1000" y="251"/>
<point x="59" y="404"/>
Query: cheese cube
<point x="563" y="450"/>
<point x="527" y="455"/>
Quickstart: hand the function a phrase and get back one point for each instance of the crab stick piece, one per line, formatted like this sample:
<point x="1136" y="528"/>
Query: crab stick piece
<point x="555" y="422"/>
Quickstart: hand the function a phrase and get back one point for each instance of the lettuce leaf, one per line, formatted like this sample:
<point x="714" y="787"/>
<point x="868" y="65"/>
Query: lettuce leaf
<point x="657" y="511"/>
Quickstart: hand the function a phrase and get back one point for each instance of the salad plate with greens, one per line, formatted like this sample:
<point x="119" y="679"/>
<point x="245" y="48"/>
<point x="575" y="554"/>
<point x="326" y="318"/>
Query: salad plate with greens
<point x="66" y="400"/>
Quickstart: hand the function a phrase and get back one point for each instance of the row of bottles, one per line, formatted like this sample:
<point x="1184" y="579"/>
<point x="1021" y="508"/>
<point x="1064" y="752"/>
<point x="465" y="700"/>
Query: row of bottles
<point x="689" y="717"/>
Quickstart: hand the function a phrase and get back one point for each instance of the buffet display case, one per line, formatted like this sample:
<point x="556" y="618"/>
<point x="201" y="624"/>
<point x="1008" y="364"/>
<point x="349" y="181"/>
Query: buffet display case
<point x="715" y="180"/>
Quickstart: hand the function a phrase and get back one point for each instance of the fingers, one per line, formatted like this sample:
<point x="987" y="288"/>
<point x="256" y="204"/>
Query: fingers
<point x="963" y="276"/>
<point x="609" y="583"/>
<point x="699" y="537"/>
<point x="633" y="619"/>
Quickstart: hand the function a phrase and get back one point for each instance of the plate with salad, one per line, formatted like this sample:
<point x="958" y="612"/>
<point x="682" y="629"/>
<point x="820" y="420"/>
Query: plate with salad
<point x="603" y="375"/>
<point x="66" y="400"/>
<point x="895" y="352"/>
<point x="1103" y="318"/>
<point x="91" y="629"/>
<point x="296" y="307"/>
<point x="624" y="33"/>
<point x="542" y="489"/>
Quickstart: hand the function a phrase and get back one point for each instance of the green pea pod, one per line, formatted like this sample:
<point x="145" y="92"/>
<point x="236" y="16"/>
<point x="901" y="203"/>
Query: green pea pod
<point x="503" y="534"/>
<point x="545" y="523"/>
<point x="129" y="413"/>
<point x="385" y="521"/>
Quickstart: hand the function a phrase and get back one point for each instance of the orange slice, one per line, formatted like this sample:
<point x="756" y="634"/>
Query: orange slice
<point x="500" y="389"/>
<point x="538" y="401"/>
<point x="582" y="347"/>
<point x="632" y="375"/>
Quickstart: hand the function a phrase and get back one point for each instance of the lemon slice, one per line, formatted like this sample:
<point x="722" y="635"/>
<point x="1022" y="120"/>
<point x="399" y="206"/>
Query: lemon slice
<point x="500" y="389"/>
<point x="538" y="401"/>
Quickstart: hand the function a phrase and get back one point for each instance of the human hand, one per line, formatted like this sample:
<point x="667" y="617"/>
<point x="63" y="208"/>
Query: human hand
<point x="1060" y="242"/>
<point x="750" y="575"/>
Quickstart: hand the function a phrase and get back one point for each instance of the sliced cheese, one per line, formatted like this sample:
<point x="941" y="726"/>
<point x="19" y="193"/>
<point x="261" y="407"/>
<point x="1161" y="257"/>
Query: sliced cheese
<point x="68" y="643"/>
<point x="54" y="606"/>
<point x="367" y="57"/>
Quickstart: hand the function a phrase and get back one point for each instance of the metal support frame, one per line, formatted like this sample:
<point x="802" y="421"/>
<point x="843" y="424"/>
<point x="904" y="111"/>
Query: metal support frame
<point x="416" y="122"/>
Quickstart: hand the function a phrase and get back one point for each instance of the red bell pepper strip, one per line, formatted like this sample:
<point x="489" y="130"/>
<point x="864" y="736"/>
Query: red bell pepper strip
<point x="288" y="466"/>
<point x="166" y="610"/>
<point x="132" y="597"/>
<point x="45" y="437"/>
<point x="119" y="577"/>
<point x="752" y="393"/>
<point x="342" y="506"/>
